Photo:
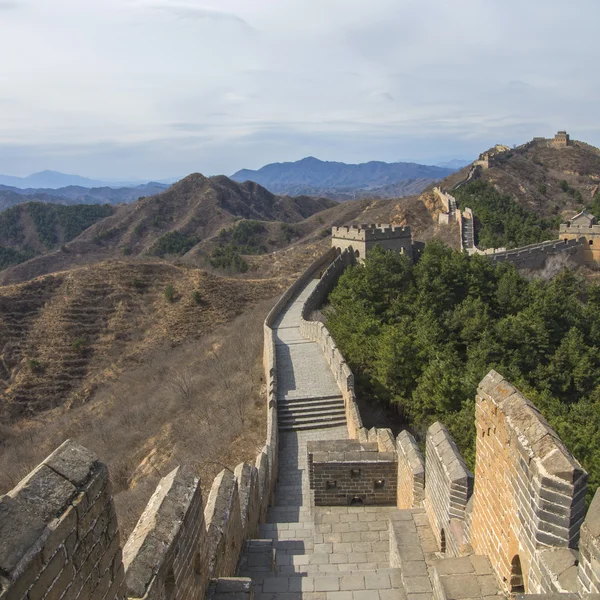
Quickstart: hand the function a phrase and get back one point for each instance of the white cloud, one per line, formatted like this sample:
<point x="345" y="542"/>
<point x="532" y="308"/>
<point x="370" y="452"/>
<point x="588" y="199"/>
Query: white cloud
<point x="156" y="88"/>
<point x="193" y="11"/>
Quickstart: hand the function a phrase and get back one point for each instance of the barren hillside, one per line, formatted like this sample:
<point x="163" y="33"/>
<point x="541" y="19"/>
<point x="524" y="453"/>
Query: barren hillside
<point x="176" y="222"/>
<point x="546" y="180"/>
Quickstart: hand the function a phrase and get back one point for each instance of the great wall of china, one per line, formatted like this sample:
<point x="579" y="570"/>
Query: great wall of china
<point x="329" y="510"/>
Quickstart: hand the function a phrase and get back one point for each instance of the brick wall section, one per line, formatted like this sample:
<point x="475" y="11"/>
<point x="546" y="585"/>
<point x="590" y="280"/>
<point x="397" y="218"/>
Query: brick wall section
<point x="165" y="556"/>
<point x="448" y="484"/>
<point x="223" y="520"/>
<point x="535" y="255"/>
<point x="589" y="549"/>
<point x="58" y="532"/>
<point x="411" y="472"/>
<point x="249" y="495"/>
<point x="529" y="491"/>
<point x="339" y="477"/>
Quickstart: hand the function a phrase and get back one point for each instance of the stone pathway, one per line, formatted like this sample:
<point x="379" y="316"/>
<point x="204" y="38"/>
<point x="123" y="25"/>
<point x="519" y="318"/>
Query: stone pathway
<point x="308" y="396"/>
<point x="307" y="552"/>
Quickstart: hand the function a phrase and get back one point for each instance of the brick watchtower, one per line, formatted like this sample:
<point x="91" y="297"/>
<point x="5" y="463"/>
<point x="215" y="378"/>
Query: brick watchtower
<point x="363" y="238"/>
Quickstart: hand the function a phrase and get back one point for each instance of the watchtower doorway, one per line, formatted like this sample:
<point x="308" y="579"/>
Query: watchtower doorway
<point x="517" y="585"/>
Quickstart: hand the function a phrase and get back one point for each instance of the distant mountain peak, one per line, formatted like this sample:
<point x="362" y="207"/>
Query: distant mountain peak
<point x="312" y="176"/>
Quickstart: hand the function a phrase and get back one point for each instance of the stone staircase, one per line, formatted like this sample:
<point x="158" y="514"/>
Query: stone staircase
<point x="311" y="413"/>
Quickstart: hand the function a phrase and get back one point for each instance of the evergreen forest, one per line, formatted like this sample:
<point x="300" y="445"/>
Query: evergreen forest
<point x="420" y="338"/>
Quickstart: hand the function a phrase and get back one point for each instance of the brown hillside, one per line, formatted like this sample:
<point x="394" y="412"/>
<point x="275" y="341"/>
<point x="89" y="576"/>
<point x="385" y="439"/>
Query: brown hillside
<point x="64" y="334"/>
<point x="196" y="208"/>
<point x="533" y="175"/>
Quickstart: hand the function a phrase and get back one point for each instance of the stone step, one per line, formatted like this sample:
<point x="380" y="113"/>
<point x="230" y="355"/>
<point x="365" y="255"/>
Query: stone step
<point x="292" y="415"/>
<point x="376" y="581"/>
<point x="260" y="556"/>
<point x="329" y="415"/>
<point x="308" y="406"/>
<point x="321" y="424"/>
<point x="309" y="400"/>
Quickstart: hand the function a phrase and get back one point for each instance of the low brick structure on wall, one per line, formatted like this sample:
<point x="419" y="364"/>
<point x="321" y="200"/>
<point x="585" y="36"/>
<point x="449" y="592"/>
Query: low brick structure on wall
<point x="529" y="491"/>
<point x="449" y="485"/>
<point x="58" y="532"/>
<point x="345" y="472"/>
<point x="411" y="472"/>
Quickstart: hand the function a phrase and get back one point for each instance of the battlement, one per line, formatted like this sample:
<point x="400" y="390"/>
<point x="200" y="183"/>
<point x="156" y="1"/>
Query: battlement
<point x="579" y="229"/>
<point x="370" y="233"/>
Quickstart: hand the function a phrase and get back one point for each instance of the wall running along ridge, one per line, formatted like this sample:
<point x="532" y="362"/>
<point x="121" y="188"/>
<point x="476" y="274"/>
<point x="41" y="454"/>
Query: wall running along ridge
<point x="59" y="534"/>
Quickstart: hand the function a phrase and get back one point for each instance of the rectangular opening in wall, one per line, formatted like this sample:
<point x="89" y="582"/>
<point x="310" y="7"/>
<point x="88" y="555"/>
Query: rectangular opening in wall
<point x="379" y="484"/>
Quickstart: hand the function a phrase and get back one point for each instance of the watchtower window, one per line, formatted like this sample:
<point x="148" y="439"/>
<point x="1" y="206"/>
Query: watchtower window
<point x="443" y="542"/>
<point x="357" y="254"/>
<point x="591" y="242"/>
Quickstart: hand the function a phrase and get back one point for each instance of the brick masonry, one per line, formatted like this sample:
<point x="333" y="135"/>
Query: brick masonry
<point x="411" y="472"/>
<point x="529" y="491"/>
<point x="166" y="555"/>
<point x="448" y="487"/>
<point x="347" y="472"/>
<point x="59" y="534"/>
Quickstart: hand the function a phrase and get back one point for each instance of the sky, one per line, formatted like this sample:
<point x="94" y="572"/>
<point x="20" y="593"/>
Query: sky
<point x="152" y="89"/>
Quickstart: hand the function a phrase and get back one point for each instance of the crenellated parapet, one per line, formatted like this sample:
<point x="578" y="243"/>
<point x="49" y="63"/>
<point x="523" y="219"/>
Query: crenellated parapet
<point x="362" y="238"/>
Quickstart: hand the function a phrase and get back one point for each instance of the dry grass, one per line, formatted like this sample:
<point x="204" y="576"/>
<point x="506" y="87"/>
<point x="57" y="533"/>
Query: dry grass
<point x="200" y="404"/>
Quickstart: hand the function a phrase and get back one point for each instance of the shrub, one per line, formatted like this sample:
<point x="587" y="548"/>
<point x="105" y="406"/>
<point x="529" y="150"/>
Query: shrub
<point x="126" y="251"/>
<point x="35" y="366"/>
<point x="170" y="293"/>
<point x="229" y="258"/>
<point x="197" y="297"/>
<point x="564" y="185"/>
<point x="289" y="232"/>
<point x="139" y="285"/>
<point x="543" y="188"/>
<point x="78" y="345"/>
<point x="174" y="242"/>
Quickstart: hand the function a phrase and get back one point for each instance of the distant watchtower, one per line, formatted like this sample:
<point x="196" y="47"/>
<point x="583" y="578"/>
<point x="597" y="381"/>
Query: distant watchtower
<point x="561" y="140"/>
<point x="363" y="238"/>
<point x="584" y="225"/>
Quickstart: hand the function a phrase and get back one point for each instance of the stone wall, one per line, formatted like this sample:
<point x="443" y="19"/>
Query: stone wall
<point x="589" y="549"/>
<point x="345" y="478"/>
<point x="166" y="556"/>
<point x="58" y="528"/>
<point x="347" y="470"/>
<point x="58" y="532"/>
<point x="534" y="256"/>
<point x="529" y="491"/>
<point x="411" y="472"/>
<point x="448" y="486"/>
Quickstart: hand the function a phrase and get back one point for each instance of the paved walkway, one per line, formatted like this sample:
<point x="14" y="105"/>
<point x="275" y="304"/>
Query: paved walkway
<point x="324" y="553"/>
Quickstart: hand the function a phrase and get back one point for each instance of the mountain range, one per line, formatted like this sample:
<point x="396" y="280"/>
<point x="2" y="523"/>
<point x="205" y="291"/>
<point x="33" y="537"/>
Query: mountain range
<point x="341" y="181"/>
<point x="76" y="194"/>
<point x="55" y="180"/>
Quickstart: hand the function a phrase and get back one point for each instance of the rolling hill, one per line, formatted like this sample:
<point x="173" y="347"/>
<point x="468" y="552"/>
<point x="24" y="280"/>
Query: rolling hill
<point x="341" y="181"/>
<point x="546" y="180"/>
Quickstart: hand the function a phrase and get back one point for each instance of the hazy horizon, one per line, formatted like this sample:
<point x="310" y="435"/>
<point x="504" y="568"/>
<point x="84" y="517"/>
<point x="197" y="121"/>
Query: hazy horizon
<point x="157" y="89"/>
